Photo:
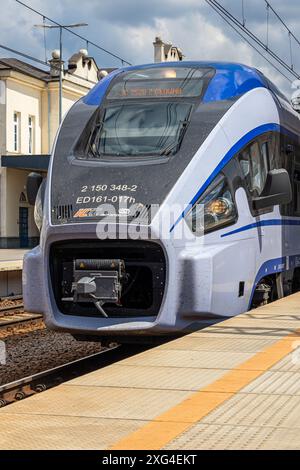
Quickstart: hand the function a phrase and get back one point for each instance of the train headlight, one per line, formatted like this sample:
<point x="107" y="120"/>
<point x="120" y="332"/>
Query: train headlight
<point x="220" y="206"/>
<point x="214" y="209"/>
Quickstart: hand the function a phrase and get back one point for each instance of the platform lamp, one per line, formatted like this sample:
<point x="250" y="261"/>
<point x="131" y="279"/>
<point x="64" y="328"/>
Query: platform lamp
<point x="60" y="27"/>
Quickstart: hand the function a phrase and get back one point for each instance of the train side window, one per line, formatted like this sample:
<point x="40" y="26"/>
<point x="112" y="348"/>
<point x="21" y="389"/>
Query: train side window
<point x="244" y="159"/>
<point x="265" y="155"/>
<point x="259" y="170"/>
<point x="273" y="151"/>
<point x="288" y="160"/>
<point x="254" y="165"/>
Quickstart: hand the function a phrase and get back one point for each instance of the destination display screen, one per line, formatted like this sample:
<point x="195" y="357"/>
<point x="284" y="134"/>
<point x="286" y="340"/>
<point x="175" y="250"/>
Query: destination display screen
<point x="161" y="82"/>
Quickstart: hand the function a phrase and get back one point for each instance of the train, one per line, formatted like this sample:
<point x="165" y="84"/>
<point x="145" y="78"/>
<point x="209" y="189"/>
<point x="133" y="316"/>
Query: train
<point x="172" y="198"/>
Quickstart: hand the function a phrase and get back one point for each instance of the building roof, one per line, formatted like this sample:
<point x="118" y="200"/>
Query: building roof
<point x="40" y="74"/>
<point x="24" y="67"/>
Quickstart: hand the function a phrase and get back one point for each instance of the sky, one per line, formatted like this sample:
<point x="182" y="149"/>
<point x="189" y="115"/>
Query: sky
<point x="128" y="28"/>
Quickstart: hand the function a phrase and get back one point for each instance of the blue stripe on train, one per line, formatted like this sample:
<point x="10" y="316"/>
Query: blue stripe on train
<point x="262" y="223"/>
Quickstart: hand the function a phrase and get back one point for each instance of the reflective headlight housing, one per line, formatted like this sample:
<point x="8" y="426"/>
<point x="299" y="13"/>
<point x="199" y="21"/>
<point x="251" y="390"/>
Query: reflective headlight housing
<point x="213" y="210"/>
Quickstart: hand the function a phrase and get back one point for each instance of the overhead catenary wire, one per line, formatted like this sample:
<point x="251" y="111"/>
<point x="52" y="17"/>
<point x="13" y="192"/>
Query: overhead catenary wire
<point x="112" y="54"/>
<point x="291" y="51"/>
<point x="243" y="13"/>
<point x="267" y="39"/>
<point x="215" y="7"/>
<point x="253" y="37"/>
<point x="291" y="35"/>
<point x="23" y="54"/>
<point x="45" y="39"/>
<point x="232" y="20"/>
<point x="282" y="22"/>
<point x="249" y="42"/>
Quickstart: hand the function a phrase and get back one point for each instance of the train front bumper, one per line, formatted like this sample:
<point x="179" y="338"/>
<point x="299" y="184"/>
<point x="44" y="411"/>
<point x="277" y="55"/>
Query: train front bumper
<point x="187" y="298"/>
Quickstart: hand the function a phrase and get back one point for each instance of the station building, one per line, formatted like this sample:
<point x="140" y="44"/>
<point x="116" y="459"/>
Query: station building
<point x="29" y="119"/>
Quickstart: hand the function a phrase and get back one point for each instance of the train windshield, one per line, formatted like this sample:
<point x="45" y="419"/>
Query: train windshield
<point x="141" y="129"/>
<point x="147" y="112"/>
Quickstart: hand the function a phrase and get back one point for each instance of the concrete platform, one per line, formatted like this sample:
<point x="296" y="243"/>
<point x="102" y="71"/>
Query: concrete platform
<point x="233" y="385"/>
<point x="11" y="265"/>
<point x="11" y="259"/>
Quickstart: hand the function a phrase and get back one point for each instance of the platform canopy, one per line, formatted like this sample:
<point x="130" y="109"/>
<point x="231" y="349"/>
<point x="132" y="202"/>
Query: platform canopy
<point x="26" y="162"/>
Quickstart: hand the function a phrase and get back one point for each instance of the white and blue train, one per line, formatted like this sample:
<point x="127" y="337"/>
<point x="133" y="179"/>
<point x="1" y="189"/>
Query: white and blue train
<point x="216" y="142"/>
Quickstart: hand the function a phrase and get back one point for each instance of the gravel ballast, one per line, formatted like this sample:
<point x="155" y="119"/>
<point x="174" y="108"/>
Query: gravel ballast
<point x="31" y="348"/>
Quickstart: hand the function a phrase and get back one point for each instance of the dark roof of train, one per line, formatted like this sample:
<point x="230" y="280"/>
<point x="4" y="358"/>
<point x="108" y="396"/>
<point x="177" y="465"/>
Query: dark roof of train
<point x="230" y="80"/>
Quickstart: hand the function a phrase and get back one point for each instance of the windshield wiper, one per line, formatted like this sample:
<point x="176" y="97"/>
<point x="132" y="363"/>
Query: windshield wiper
<point x="94" y="139"/>
<point x="177" y="143"/>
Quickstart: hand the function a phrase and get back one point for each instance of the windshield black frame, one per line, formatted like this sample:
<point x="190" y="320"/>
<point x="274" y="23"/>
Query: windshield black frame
<point x="85" y="151"/>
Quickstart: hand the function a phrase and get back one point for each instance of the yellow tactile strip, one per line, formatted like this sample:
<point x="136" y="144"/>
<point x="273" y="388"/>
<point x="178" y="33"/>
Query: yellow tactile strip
<point x="170" y="424"/>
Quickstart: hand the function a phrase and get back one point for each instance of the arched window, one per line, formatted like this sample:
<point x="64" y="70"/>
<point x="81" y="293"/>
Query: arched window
<point x="22" y="197"/>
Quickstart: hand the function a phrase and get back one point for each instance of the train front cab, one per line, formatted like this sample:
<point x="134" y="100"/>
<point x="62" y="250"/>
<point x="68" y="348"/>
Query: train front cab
<point x="247" y="256"/>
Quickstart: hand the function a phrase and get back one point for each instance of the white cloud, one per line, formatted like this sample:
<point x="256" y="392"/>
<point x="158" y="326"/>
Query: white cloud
<point x="129" y="28"/>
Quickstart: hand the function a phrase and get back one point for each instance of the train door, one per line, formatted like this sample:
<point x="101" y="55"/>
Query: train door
<point x="291" y="162"/>
<point x="259" y="167"/>
<point x="256" y="160"/>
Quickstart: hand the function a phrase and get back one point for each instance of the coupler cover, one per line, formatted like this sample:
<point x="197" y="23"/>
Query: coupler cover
<point x="98" y="279"/>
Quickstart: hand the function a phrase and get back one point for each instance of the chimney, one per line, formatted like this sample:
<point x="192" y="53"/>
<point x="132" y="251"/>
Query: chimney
<point x="55" y="63"/>
<point x="158" y="50"/>
<point x="166" y="52"/>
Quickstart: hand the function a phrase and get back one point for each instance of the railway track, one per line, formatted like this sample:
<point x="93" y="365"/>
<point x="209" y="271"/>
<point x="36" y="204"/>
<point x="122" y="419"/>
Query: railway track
<point x="18" y="318"/>
<point x="11" y="307"/>
<point x="14" y="314"/>
<point x="42" y="381"/>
